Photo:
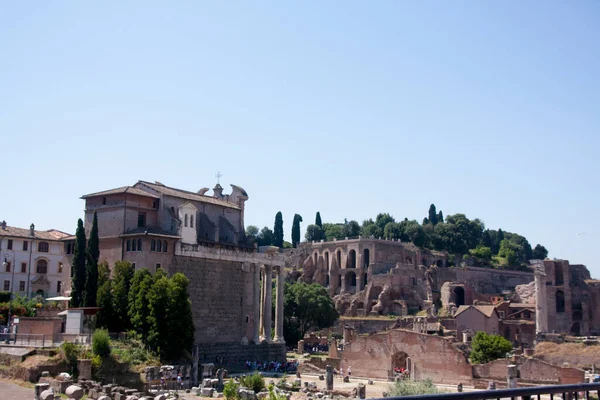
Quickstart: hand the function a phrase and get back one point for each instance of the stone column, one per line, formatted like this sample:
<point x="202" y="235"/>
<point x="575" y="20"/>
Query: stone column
<point x="512" y="377"/>
<point x="268" y="303"/>
<point x="541" y="311"/>
<point x="358" y="281"/>
<point x="256" y="306"/>
<point x="261" y="322"/>
<point x="279" y="306"/>
<point x="329" y="377"/>
<point x="343" y="288"/>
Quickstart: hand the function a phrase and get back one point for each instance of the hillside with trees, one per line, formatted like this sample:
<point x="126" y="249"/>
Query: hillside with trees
<point x="456" y="234"/>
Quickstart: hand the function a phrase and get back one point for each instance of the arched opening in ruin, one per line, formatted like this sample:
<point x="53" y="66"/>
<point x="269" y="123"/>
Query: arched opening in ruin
<point x="439" y="263"/>
<point x="366" y="260"/>
<point x="327" y="260"/>
<point x="577" y="316"/>
<point x="375" y="292"/>
<point x="352" y="278"/>
<point x="316" y="257"/>
<point x="364" y="281"/>
<point x="351" y="259"/>
<point x="339" y="281"/>
<point x="558" y="274"/>
<point x="400" y="363"/>
<point x="408" y="260"/>
<point x="327" y="280"/>
<point x="459" y="296"/>
<point x="560" y="301"/>
<point x="339" y="258"/>
<point x="576" y="329"/>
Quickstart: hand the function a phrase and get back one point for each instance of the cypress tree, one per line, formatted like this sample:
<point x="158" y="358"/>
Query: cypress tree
<point x="123" y="274"/>
<point x="318" y="220"/>
<point x="91" y="266"/>
<point x="139" y="310"/>
<point x="296" y="230"/>
<point x="278" y="230"/>
<point x="78" y="267"/>
<point x="104" y="297"/>
<point x="440" y="218"/>
<point x="433" y="216"/>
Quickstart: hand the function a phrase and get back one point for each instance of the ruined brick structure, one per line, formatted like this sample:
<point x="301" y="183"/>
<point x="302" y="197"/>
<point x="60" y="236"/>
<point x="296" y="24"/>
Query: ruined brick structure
<point x="155" y="226"/>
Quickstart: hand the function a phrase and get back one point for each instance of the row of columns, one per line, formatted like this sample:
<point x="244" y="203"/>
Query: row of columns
<point x="263" y="295"/>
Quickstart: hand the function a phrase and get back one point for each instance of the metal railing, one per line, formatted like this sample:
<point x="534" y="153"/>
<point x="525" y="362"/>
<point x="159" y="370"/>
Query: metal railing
<point x="574" y="392"/>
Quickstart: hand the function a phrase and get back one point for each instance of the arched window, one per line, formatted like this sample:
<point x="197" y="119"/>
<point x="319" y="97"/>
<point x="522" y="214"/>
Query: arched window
<point x="339" y="258"/>
<point x="366" y="258"/>
<point x="43" y="247"/>
<point x="153" y="245"/>
<point x="42" y="267"/>
<point x="351" y="259"/>
<point x="165" y="246"/>
<point x="560" y="301"/>
<point x="192" y="221"/>
<point x="159" y="245"/>
<point x="327" y="261"/>
<point x="185" y="219"/>
<point x="352" y="279"/>
<point x="364" y="280"/>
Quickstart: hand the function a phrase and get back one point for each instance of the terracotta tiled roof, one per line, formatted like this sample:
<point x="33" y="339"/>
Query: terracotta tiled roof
<point x="485" y="310"/>
<point x="522" y="305"/>
<point x="184" y="194"/>
<point x="123" y="189"/>
<point x="51" y="234"/>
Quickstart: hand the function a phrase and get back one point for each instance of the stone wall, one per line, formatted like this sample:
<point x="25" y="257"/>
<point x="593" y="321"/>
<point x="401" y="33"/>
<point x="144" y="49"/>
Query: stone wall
<point x="432" y="357"/>
<point x="364" y="325"/>
<point x="222" y="297"/>
<point x="531" y="370"/>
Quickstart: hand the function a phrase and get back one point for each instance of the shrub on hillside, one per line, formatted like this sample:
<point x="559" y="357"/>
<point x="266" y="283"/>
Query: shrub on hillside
<point x="101" y="343"/>
<point x="487" y="348"/>
<point x="230" y="389"/>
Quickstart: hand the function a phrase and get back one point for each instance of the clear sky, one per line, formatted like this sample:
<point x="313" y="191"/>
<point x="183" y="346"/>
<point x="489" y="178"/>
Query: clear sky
<point x="349" y="108"/>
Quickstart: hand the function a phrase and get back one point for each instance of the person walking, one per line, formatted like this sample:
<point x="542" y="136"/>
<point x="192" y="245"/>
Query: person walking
<point x="349" y="371"/>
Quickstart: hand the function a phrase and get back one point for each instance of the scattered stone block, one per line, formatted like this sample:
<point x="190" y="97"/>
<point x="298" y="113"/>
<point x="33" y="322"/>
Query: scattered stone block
<point x="74" y="392"/>
<point x="104" y="397"/>
<point x="246" y="394"/>
<point x="298" y="382"/>
<point x="319" y="395"/>
<point x="207" y="392"/>
<point x="346" y="379"/>
<point x="45" y="374"/>
<point x="361" y="391"/>
<point x="262" y="395"/>
<point x="131" y="397"/>
<point x="162" y="397"/>
<point x="312" y="385"/>
<point x="321" y="378"/>
<point x="218" y="395"/>
<point x="47" y="395"/>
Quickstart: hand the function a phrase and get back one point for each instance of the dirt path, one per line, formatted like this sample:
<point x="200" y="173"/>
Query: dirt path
<point x="10" y="391"/>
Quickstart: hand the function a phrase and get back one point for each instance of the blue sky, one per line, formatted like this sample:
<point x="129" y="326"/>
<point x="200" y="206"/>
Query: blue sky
<point x="349" y="108"/>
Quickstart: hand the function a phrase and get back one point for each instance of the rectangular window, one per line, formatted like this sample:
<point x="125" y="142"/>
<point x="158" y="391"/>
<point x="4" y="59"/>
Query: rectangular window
<point x="70" y="248"/>
<point x="25" y="245"/>
<point x="6" y="286"/>
<point x="21" y="286"/>
<point x="9" y="245"/>
<point x="165" y="246"/>
<point x="104" y="201"/>
<point x="159" y="246"/>
<point x="60" y="268"/>
<point x="142" y="220"/>
<point x="157" y="266"/>
<point x="153" y="245"/>
<point x="58" y="287"/>
<point x="8" y="265"/>
<point x="155" y="204"/>
<point x="128" y="245"/>
<point x="134" y="245"/>
<point x="23" y="267"/>
<point x="501" y="313"/>
<point x="139" y="244"/>
<point x="133" y="265"/>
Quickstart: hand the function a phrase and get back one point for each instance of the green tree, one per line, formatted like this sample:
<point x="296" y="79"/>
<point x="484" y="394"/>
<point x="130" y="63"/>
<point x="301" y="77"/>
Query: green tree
<point x="370" y="228"/>
<point x="121" y="284"/>
<point x="350" y="229"/>
<point x="313" y="232"/>
<point x="296" y="230"/>
<point x="158" y="303"/>
<point x="91" y="266"/>
<point x="78" y="266"/>
<point x="440" y="217"/>
<point x="415" y="233"/>
<point x="306" y="307"/>
<point x="539" y="252"/>
<point x="138" y="309"/>
<point x="333" y="231"/>
<point x="180" y="323"/>
<point x="487" y="348"/>
<point x="433" y="216"/>
<point x="482" y="252"/>
<point x="104" y="297"/>
<point x="508" y="251"/>
<point x="318" y="220"/>
<point x="278" y="230"/>
<point x="101" y="343"/>
<point x="382" y="220"/>
<point x="251" y="233"/>
<point x="266" y="237"/>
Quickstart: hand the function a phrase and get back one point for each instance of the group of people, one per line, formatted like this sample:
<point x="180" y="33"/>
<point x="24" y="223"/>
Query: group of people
<point x="318" y="348"/>
<point x="272" y="366"/>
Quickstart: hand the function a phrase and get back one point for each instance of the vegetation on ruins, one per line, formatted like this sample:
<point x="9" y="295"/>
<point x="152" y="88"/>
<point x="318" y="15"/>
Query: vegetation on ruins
<point x="78" y="266"/>
<point x="156" y="307"/>
<point x="455" y="234"/>
<point x="230" y="389"/>
<point x="101" y="343"/>
<point x="91" y="266"/>
<point x="487" y="348"/>
<point x="307" y="306"/>
<point x="255" y="382"/>
<point x="296" y="230"/>
<point x="278" y="230"/>
<point x="409" y="387"/>
<point x="318" y="221"/>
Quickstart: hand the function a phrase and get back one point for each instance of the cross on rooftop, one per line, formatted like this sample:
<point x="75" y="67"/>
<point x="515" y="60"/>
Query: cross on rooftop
<point x="218" y="176"/>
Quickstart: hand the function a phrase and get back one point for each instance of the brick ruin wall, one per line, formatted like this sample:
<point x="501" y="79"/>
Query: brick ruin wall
<point x="431" y="357"/>
<point x="531" y="370"/>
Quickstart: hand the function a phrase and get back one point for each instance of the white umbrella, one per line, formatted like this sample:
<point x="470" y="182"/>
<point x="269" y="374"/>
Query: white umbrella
<point x="58" y="298"/>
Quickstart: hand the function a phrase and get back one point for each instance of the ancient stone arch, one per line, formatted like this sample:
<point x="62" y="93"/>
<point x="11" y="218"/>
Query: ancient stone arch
<point x="351" y="262"/>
